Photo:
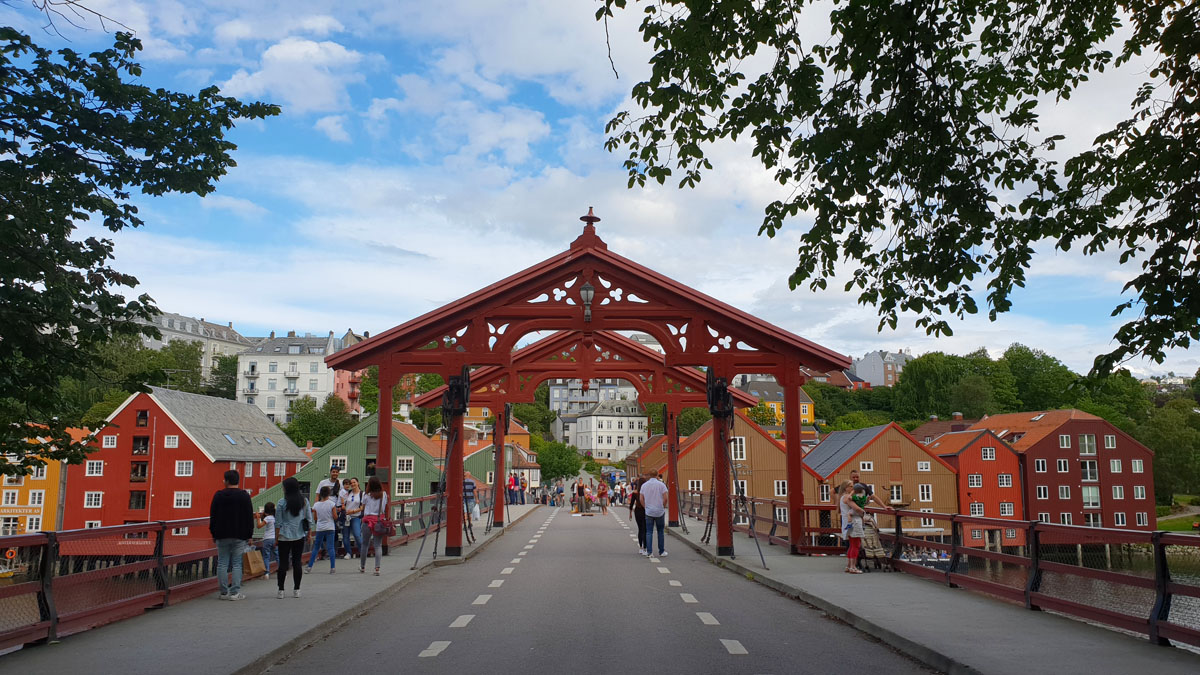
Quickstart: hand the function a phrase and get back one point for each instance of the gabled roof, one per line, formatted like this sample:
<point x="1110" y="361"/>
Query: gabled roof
<point x="1026" y="429"/>
<point x="425" y="443"/>
<point x="769" y="390"/>
<point x="955" y="442"/>
<point x="615" y="409"/>
<point x="210" y="422"/>
<point x="650" y="444"/>
<point x="840" y="447"/>
<point x="933" y="428"/>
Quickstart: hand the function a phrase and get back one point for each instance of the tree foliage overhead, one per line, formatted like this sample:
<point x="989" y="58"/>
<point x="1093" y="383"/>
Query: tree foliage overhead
<point x="911" y="135"/>
<point x="76" y="140"/>
<point x="319" y="425"/>
<point x="556" y="459"/>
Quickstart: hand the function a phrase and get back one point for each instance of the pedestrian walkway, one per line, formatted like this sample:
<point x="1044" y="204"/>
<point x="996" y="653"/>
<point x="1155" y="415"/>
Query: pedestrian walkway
<point x="208" y="636"/>
<point x="953" y="630"/>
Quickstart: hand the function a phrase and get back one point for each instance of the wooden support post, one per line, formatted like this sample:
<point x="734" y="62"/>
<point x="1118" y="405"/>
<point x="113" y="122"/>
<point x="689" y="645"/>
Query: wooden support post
<point x="383" y="443"/>
<point x="672" y="442"/>
<point x="795" y="466"/>
<point x="454" y="489"/>
<point x="724" y="513"/>
<point x="498" y="485"/>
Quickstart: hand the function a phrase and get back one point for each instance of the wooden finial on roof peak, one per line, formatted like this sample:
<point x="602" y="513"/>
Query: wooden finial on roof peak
<point x="589" y="238"/>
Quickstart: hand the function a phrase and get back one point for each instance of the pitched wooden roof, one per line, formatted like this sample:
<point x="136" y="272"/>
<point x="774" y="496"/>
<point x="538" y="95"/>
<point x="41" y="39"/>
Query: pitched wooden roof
<point x="1024" y="430"/>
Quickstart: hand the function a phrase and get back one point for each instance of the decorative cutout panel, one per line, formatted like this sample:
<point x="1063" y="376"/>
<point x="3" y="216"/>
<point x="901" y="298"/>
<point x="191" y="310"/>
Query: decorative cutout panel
<point x="557" y="295"/>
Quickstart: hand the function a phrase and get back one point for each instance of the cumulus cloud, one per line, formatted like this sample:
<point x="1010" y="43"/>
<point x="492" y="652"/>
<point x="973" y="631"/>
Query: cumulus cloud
<point x="242" y="207"/>
<point x="303" y="75"/>
<point x="334" y="127"/>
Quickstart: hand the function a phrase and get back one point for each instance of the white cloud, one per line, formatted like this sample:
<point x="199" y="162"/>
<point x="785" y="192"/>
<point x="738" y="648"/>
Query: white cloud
<point x="242" y="207"/>
<point x="333" y="126"/>
<point x="303" y="75"/>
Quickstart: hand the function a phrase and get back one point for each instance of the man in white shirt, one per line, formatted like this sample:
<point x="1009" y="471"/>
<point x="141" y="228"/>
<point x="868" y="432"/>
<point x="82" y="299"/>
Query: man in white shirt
<point x="337" y="495"/>
<point x="653" y="498"/>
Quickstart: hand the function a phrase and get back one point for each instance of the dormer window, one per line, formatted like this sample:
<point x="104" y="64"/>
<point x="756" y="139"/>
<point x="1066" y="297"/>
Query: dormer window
<point x="143" y="418"/>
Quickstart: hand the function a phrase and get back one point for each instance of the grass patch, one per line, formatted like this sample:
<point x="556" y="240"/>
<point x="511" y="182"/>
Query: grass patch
<point x="1179" y="524"/>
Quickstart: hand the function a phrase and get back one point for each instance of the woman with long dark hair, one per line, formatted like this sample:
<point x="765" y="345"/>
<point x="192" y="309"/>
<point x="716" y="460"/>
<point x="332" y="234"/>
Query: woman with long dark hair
<point x="291" y="518"/>
<point x="374" y="505"/>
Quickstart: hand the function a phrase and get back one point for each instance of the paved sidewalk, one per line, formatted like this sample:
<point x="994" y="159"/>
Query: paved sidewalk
<point x="953" y="630"/>
<point x="205" y="635"/>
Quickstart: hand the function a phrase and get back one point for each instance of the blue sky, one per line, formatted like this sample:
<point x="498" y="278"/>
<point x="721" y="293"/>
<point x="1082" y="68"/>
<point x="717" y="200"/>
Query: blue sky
<point x="428" y="149"/>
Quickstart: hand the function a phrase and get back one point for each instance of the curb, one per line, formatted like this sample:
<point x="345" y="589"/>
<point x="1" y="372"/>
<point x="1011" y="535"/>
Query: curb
<point x="923" y="653"/>
<point x="332" y="624"/>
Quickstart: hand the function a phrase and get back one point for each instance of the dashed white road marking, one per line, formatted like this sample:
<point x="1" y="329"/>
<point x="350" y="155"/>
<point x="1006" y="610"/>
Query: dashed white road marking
<point x="655" y="560"/>
<point x="482" y="600"/>
<point x="533" y="541"/>
<point x="663" y="570"/>
<point x="688" y="598"/>
<point x="523" y="552"/>
<point x="507" y="570"/>
<point x="436" y="647"/>
<point x="515" y="560"/>
<point x="462" y="621"/>
<point x="675" y="583"/>
<point x="734" y="647"/>
<point x="529" y="547"/>
<point x="708" y="619"/>
<point x="496" y="583"/>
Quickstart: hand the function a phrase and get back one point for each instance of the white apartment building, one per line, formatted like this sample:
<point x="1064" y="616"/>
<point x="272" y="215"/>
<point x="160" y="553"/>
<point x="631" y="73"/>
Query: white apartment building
<point x="611" y="429"/>
<point x="215" y="339"/>
<point x="276" y="372"/>
<point x="881" y="368"/>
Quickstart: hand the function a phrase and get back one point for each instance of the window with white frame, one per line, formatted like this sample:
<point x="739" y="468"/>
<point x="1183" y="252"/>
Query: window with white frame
<point x="91" y="524"/>
<point x="977" y="508"/>
<point x="1043" y="517"/>
<point x="1010" y="533"/>
<point x="927" y="522"/>
<point x="923" y="466"/>
<point x="1119" y="519"/>
<point x="925" y="492"/>
<point x="108" y="441"/>
<point x="1093" y="520"/>
<point x="10" y="498"/>
<point x="1118" y="492"/>
<point x="183" y="500"/>
<point x="1064" y="440"/>
<point x="280" y="468"/>
<point x="249" y="470"/>
<point x="975" y="480"/>
<point x="262" y="469"/>
<point x="491" y="477"/>
<point x="1039" y="465"/>
<point x="1064" y="491"/>
<point x="93" y="500"/>
<point x="1043" y="492"/>
<point x="1110" y="442"/>
<point x="171" y="441"/>
<point x="781" y="488"/>
<point x="33" y="524"/>
<point x="1006" y="508"/>
<point x="233" y="465"/>
<point x="1139" y="491"/>
<point x="1063" y="466"/>
<point x="989" y="454"/>
<point x="781" y="514"/>
<point x="1087" y="444"/>
<point x="183" y="467"/>
<point x="896" y="493"/>
<point x="1005" y="480"/>
<point x="976" y="534"/>
<point x="866" y="467"/>
<point x="740" y="488"/>
<point x="14" y="480"/>
<point x="180" y="531"/>
<point x="695" y="485"/>
<point x="404" y="464"/>
<point x="1091" y="496"/>
<point x="338" y="463"/>
<point x="39" y="472"/>
<point x="1064" y="518"/>
<point x="37" y="497"/>
<point x="741" y="519"/>
<point x="95" y="467"/>
<point x="1135" y="465"/>
<point x="737" y="447"/>
<point x="1142" y="520"/>
<point x="1114" y="466"/>
<point x="404" y="488"/>
<point x="1088" y="470"/>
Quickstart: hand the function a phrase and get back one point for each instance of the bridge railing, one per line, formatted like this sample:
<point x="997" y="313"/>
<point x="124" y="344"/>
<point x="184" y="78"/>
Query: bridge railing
<point x="53" y="584"/>
<point x="1139" y="581"/>
<point x="770" y="521"/>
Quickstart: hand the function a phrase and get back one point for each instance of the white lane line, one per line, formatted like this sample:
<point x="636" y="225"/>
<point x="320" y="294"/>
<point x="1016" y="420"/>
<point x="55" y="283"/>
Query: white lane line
<point x="688" y="598"/>
<point x="496" y="583"/>
<point x="515" y="560"/>
<point x="533" y="541"/>
<point x="708" y="619"/>
<point x="675" y="583"/>
<point x="523" y="553"/>
<point x="529" y="547"/>
<point x="462" y="621"/>
<point x="655" y="560"/>
<point x="734" y="647"/>
<point x="436" y="647"/>
<point x="663" y="570"/>
<point x="482" y="600"/>
<point x="507" y="570"/>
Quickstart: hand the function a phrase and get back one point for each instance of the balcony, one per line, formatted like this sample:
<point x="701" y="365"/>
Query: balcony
<point x="355" y="379"/>
<point x="291" y="392"/>
<point x="251" y="390"/>
<point x="291" y="373"/>
<point x="352" y="394"/>
<point x="250" y="373"/>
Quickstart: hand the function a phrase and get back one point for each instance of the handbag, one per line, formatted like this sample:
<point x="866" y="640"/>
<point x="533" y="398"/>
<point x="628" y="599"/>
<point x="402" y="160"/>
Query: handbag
<point x="384" y="526"/>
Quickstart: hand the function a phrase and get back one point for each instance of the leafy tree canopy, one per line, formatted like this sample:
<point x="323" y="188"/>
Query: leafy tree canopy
<point x="911" y="135"/>
<point x="319" y="425"/>
<point x="222" y="379"/>
<point x="557" y="460"/>
<point x="1173" y="433"/>
<point x="762" y="415"/>
<point x="76" y="140"/>
<point x="691" y="419"/>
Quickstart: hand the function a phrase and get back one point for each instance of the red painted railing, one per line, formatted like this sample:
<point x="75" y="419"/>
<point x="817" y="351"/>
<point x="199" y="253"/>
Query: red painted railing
<point x="66" y="582"/>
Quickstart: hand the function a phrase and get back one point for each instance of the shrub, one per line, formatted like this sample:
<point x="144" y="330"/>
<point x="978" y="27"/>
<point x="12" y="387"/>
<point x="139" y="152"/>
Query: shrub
<point x="1162" y="511"/>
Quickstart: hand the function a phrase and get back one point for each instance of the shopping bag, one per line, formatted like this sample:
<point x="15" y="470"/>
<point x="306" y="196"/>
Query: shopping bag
<point x="252" y="564"/>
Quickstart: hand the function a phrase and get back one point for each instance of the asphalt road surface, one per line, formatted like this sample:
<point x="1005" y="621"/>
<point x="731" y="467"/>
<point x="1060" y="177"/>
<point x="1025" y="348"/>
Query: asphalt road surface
<point x="562" y="594"/>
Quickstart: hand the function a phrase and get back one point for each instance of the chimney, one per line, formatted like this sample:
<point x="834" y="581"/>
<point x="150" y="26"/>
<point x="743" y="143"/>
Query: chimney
<point x="366" y="333"/>
<point x="291" y="333"/>
<point x="933" y="418"/>
<point x="230" y="323"/>
<point x="957" y="415"/>
<point x="201" y="319"/>
<point x="272" y="335"/>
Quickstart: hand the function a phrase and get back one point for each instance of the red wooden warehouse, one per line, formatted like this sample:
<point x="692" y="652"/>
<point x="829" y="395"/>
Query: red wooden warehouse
<point x="989" y="484"/>
<point x="162" y="455"/>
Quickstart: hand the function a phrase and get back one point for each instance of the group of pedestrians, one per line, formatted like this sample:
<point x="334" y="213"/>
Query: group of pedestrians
<point x="518" y="487"/>
<point x="341" y="506"/>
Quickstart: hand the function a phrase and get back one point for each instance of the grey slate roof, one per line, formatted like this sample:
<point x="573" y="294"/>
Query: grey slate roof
<point x="838" y="447"/>
<point x="278" y="346"/>
<point x="615" y="409"/>
<point x="207" y="419"/>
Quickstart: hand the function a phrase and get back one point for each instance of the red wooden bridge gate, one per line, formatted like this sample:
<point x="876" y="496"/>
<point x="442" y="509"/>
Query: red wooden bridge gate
<point x="583" y="296"/>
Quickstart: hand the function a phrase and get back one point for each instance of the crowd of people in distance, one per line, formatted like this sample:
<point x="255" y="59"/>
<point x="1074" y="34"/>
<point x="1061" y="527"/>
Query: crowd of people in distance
<point x="342" y="508"/>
